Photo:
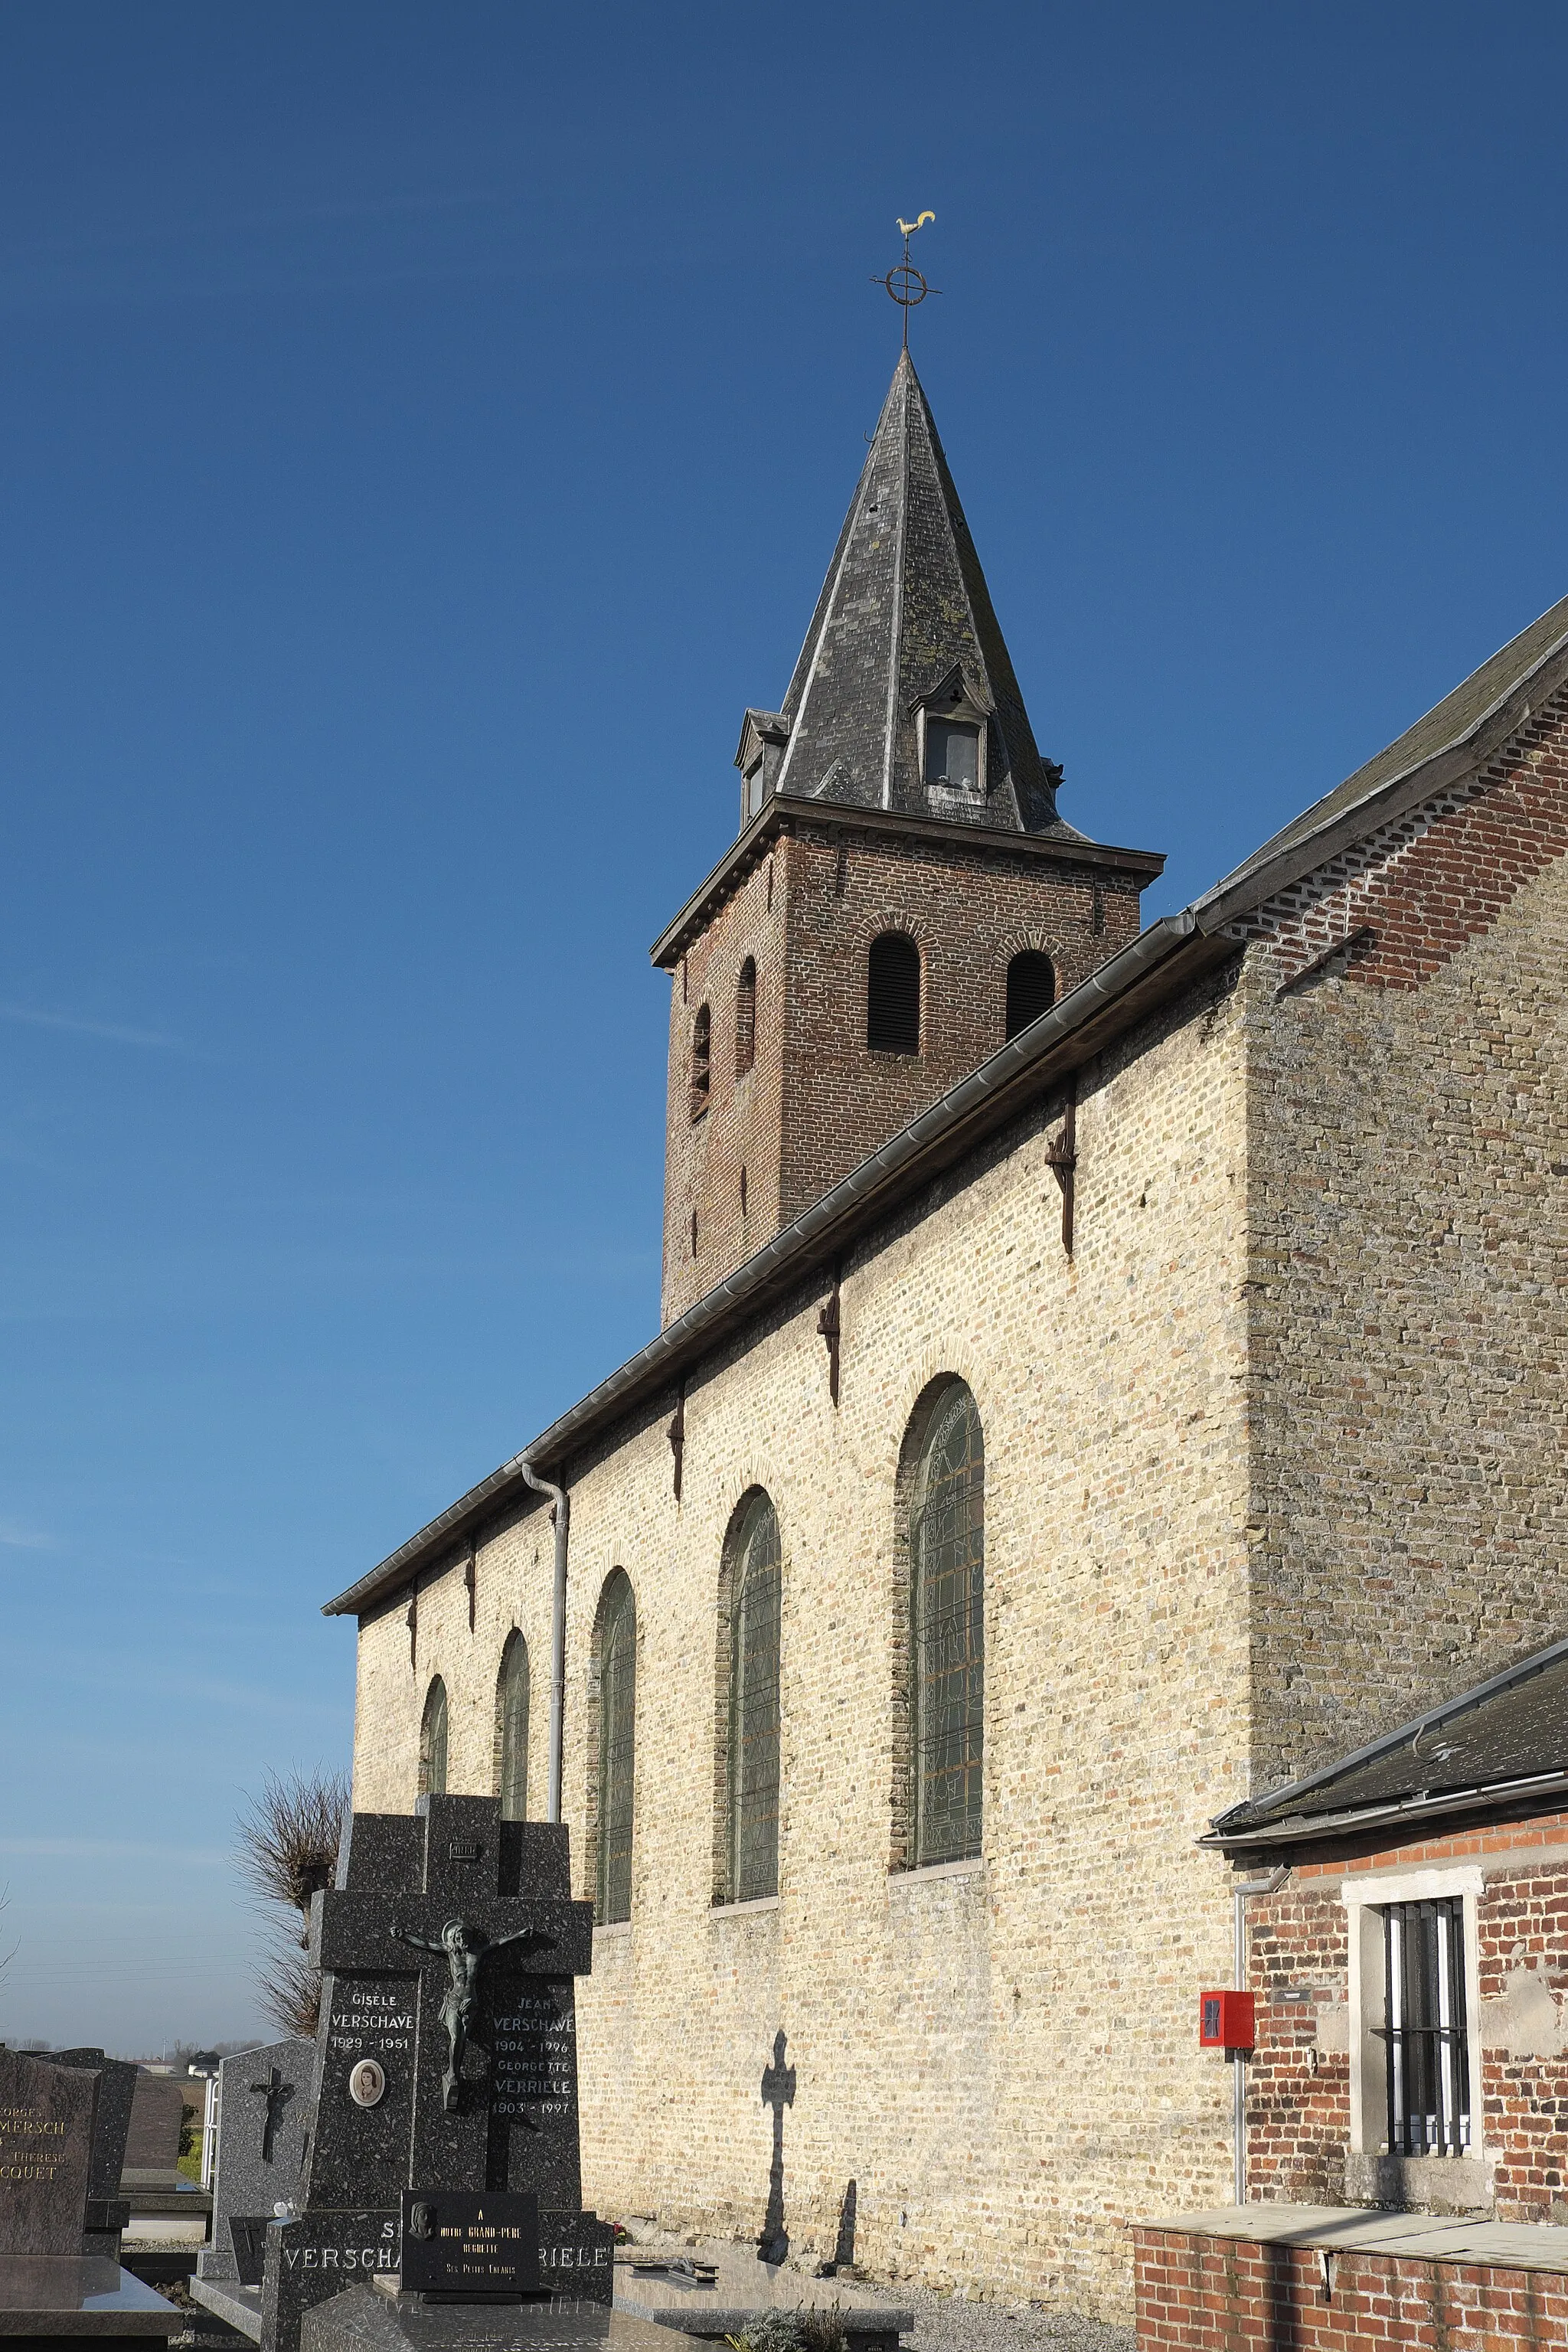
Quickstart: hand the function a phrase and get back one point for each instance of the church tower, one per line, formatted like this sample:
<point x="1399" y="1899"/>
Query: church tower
<point x="902" y="897"/>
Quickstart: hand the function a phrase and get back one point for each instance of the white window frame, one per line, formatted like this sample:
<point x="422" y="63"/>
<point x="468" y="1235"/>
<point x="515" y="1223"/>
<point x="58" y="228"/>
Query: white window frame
<point x="1364" y="1900"/>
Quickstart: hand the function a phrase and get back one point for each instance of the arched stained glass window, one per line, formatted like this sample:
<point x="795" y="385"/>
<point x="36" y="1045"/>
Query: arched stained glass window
<point x="511" y="1729"/>
<point x="754" y="1707"/>
<point x="617" y="1740"/>
<point x="433" y="1742"/>
<point x="947" y="1592"/>
<point x="1031" y="989"/>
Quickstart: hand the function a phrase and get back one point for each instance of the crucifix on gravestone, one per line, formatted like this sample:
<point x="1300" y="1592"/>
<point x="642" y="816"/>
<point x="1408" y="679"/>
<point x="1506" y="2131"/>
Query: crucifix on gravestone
<point x="778" y="2093"/>
<point x="276" y="2093"/>
<point x="449" y="2014"/>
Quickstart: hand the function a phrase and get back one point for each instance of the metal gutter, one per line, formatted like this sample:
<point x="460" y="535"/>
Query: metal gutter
<point x="1162" y="959"/>
<point x="1303" y="1828"/>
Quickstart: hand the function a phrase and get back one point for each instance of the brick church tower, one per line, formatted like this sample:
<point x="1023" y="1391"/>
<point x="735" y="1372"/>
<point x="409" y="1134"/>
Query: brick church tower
<point x="902" y="897"/>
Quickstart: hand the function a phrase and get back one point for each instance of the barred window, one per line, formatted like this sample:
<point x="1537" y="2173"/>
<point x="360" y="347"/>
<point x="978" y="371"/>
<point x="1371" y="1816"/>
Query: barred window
<point x="511" y="1728"/>
<point x="701" y="1060"/>
<point x="893" y="994"/>
<point x="1031" y="989"/>
<point x="947" y="1592"/>
<point x="433" y="1742"/>
<point x="1426" y="2028"/>
<point x="746" y="1018"/>
<point x="754" y="1709"/>
<point x="617" y="1734"/>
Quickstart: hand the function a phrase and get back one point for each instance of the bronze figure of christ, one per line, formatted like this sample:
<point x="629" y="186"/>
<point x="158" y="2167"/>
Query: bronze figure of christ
<point x="466" y="1949"/>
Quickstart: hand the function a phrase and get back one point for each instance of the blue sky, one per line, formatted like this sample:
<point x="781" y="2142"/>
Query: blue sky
<point x="425" y="430"/>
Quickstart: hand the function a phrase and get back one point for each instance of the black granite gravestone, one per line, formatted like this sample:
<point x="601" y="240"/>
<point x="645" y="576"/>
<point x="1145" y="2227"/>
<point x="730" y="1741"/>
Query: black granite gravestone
<point x="263" y="2104"/>
<point x="446" y="2058"/>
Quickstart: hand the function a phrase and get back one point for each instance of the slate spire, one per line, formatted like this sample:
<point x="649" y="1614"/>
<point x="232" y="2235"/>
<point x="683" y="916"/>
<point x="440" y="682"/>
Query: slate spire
<point x="904" y="632"/>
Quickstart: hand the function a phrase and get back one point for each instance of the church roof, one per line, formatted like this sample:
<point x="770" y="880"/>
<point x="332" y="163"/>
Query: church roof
<point x="904" y="614"/>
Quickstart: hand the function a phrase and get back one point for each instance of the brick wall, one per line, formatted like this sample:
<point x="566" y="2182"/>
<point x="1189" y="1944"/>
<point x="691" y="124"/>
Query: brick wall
<point x="1408" y="1277"/>
<point x="1196" y="2292"/>
<point x="1298" y="2089"/>
<point x="817" y="1102"/>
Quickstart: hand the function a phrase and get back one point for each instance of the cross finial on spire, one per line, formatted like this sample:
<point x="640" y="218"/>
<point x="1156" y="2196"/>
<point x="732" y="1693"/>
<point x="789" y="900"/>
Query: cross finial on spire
<point x="904" y="281"/>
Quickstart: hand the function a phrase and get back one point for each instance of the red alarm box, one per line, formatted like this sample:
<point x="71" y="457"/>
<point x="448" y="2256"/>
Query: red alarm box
<point x="1225" y="2020"/>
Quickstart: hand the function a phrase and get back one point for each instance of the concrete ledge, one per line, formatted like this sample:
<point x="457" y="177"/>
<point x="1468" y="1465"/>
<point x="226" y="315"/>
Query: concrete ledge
<point x="1420" y="2184"/>
<point x="1349" y="2229"/>
<point x="227" y="2299"/>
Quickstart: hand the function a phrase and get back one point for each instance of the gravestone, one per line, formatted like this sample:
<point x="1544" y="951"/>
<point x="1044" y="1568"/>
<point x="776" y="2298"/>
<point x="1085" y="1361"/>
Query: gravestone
<point x="107" y="2210"/>
<point x="445" y="2068"/>
<point x="263" y="2105"/>
<point x="152" y="2143"/>
<point x="62" y="2126"/>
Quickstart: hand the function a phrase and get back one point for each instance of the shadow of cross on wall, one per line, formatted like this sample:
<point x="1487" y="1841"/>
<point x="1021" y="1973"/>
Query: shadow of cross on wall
<point x="447" y="2046"/>
<point x="778" y="2093"/>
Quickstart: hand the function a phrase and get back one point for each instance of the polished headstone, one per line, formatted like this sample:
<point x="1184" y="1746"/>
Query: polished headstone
<point x="264" y="2105"/>
<point x="446" y="2056"/>
<point x="107" y="2210"/>
<point x="510" y="2121"/>
<point x="47" y="2115"/>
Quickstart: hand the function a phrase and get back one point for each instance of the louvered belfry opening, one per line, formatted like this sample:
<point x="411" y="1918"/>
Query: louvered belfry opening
<point x="701" y="1060"/>
<point x="893" y="995"/>
<point x="1031" y="989"/>
<point x="746" y="1018"/>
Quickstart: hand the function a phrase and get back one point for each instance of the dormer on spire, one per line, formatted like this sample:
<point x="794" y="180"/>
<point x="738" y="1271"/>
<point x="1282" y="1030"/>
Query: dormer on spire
<point x="758" y="755"/>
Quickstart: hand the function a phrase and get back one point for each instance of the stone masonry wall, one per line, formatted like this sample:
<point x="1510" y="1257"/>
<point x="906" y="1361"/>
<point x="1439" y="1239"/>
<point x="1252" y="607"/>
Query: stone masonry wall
<point x="1408" y="1150"/>
<point x="817" y="1102"/>
<point x="1298" y="2088"/>
<point x="1000" y="2054"/>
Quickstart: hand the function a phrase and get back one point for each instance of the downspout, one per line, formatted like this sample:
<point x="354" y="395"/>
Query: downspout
<point x="557" y="1637"/>
<point x="1268" y="1885"/>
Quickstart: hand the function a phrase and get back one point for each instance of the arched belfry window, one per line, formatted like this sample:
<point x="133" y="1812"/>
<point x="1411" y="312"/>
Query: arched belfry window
<point x="617" y="1697"/>
<point x="754" y="1713"/>
<point x="701" y="1060"/>
<point x="511" y="1729"/>
<point x="893" y="994"/>
<point x="433" y="1742"/>
<point x="1031" y="989"/>
<point x="746" y="1018"/>
<point x="947" y="1608"/>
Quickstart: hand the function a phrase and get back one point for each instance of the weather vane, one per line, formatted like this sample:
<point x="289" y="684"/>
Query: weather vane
<point x="903" y="281"/>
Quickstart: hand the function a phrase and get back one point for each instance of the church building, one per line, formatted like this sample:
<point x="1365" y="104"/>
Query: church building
<point x="1107" y="1372"/>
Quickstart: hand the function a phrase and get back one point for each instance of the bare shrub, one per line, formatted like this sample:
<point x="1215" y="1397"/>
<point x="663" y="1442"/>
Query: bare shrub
<point x="289" y="1851"/>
